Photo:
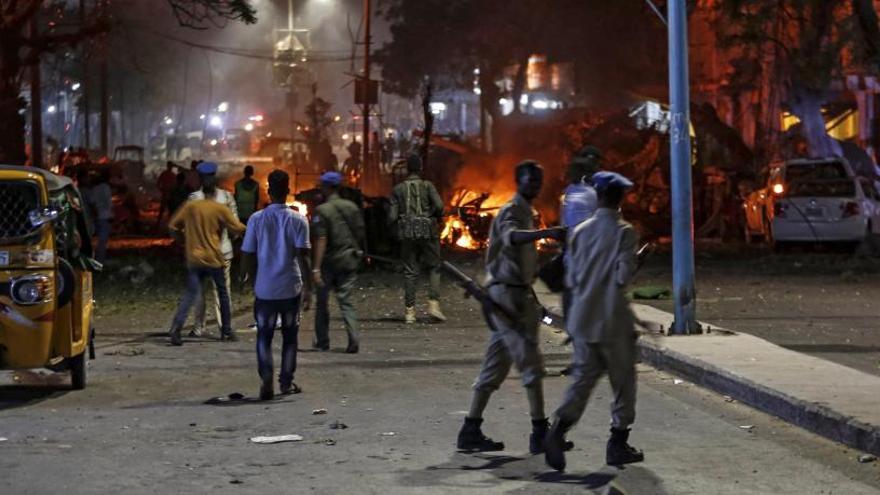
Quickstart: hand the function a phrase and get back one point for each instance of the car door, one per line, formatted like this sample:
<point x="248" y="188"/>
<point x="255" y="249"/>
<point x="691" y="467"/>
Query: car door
<point x="871" y="203"/>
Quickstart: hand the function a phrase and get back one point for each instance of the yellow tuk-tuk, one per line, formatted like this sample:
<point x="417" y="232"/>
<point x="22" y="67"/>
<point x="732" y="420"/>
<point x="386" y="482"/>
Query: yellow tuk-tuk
<point x="45" y="274"/>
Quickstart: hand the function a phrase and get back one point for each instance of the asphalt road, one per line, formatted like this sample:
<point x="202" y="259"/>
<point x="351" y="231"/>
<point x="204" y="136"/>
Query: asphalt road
<point x="142" y="426"/>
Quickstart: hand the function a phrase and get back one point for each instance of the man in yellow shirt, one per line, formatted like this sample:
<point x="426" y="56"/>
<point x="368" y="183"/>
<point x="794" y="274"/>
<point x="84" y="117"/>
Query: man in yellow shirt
<point x="201" y="223"/>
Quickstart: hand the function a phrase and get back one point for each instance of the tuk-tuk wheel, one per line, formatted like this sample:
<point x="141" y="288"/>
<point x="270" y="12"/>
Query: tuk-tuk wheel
<point x="78" y="371"/>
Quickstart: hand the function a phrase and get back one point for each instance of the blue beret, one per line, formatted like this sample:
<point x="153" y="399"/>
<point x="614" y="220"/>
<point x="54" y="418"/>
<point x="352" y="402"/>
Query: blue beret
<point x="207" y="168"/>
<point x="331" y="178"/>
<point x="603" y="180"/>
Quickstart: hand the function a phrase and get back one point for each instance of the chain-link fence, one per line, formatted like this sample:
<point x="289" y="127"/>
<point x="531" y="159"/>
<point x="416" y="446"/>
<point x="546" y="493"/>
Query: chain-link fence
<point x="17" y="199"/>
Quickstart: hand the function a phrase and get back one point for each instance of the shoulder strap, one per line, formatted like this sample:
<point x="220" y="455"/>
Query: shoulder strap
<point x="347" y="224"/>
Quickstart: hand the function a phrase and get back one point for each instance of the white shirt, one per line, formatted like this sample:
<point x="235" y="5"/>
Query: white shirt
<point x="223" y="197"/>
<point x="601" y="263"/>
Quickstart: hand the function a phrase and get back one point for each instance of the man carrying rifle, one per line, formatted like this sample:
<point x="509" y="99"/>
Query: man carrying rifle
<point x="511" y="263"/>
<point x="601" y="323"/>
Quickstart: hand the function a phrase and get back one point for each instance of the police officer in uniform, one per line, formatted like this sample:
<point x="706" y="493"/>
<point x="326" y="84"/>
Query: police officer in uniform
<point x="511" y="263"/>
<point x="338" y="226"/>
<point x="601" y="323"/>
<point x="416" y="210"/>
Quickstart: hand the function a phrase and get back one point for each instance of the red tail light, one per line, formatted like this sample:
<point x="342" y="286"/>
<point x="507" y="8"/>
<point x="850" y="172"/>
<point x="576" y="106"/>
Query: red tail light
<point x="779" y="209"/>
<point x="850" y="209"/>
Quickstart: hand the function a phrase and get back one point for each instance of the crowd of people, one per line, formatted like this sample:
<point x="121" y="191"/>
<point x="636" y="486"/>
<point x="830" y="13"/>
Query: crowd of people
<point x="288" y="257"/>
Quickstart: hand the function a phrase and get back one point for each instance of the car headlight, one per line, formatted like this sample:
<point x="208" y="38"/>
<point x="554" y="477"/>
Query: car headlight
<point x="31" y="289"/>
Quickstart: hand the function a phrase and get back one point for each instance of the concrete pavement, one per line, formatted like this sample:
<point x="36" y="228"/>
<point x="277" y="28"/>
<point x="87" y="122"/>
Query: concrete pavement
<point x="142" y="426"/>
<point x="826" y="398"/>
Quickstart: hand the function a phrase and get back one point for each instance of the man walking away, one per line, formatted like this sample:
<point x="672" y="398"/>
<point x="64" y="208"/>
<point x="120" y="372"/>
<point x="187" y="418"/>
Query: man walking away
<point x="165" y="183"/>
<point x="339" y="232"/>
<point x="601" y="323"/>
<point x="247" y="195"/>
<point x="201" y="222"/>
<point x="579" y="199"/>
<point x="276" y="250"/>
<point x="511" y="264"/>
<point x="208" y="179"/>
<point x="101" y="200"/>
<point x="416" y="211"/>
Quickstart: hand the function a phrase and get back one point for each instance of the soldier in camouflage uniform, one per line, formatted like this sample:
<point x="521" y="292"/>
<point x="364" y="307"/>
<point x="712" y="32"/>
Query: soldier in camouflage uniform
<point x="416" y="211"/>
<point x="339" y="231"/>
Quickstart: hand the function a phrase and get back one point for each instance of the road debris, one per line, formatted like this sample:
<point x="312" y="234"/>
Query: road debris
<point x="329" y="441"/>
<point x="866" y="458"/>
<point x="676" y="381"/>
<point x="319" y="411"/>
<point x="728" y="398"/>
<point x="277" y="439"/>
<point x="129" y="352"/>
<point x="747" y="427"/>
<point x="338" y="425"/>
<point x="387" y="434"/>
<point x="233" y="397"/>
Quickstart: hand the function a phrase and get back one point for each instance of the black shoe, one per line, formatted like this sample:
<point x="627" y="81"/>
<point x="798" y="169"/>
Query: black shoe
<point x="229" y="336"/>
<point x="266" y="392"/>
<point x="555" y="445"/>
<point x="290" y="388"/>
<point x="321" y="347"/>
<point x="471" y="438"/>
<point x="619" y="451"/>
<point x="352" y="349"/>
<point x="540" y="427"/>
<point x="175" y="337"/>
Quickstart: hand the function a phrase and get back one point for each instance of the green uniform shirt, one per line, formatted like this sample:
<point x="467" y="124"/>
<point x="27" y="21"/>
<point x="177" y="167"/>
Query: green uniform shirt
<point x="341" y="222"/>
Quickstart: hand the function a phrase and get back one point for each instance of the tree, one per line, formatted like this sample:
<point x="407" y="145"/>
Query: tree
<point x="805" y="45"/>
<point x="21" y="47"/>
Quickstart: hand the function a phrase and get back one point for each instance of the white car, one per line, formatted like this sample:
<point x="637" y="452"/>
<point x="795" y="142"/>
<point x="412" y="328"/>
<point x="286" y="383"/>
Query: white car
<point x="826" y="210"/>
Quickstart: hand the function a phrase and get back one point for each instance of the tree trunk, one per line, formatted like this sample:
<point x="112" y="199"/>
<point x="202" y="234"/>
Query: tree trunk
<point x="12" y="122"/>
<point x="519" y="83"/>
<point x="489" y="95"/>
<point x="806" y="105"/>
<point x="868" y="22"/>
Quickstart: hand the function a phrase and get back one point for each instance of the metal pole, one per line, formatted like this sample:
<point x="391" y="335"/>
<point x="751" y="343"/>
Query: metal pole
<point x="366" y="166"/>
<point x="36" y="104"/>
<point x="290" y="18"/>
<point x="680" y="145"/>
<point x="85" y="80"/>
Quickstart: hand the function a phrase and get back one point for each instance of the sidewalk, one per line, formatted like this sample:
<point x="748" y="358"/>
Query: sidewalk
<point x="826" y="398"/>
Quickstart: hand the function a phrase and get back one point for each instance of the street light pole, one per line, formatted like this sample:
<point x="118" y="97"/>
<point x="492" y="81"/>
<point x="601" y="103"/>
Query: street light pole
<point x="367" y="167"/>
<point x="684" y="290"/>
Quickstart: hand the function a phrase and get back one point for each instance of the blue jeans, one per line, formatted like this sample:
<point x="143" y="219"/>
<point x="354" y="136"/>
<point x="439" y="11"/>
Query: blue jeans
<point x="266" y="312"/>
<point x="102" y="231"/>
<point x="194" y="277"/>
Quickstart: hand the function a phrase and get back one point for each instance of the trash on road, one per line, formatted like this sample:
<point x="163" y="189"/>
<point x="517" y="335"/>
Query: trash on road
<point x="651" y="293"/>
<point x="3" y="439"/>
<point x="319" y="411"/>
<point x="338" y="425"/>
<point x="329" y="441"/>
<point x="866" y="458"/>
<point x="676" y="381"/>
<point x="233" y="397"/>
<point x="277" y="439"/>
<point x="387" y="434"/>
<point x="747" y="427"/>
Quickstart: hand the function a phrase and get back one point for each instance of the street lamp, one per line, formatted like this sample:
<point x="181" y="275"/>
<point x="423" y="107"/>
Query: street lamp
<point x="52" y="109"/>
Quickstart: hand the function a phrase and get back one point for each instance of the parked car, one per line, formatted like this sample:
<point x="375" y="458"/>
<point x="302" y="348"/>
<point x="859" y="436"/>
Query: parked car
<point x="761" y="205"/>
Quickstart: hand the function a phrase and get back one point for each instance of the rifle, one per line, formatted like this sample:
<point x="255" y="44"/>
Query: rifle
<point x="478" y="292"/>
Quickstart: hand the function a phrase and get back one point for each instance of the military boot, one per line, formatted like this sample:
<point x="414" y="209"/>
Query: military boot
<point x="619" y="451"/>
<point x="175" y="336"/>
<point x="555" y="444"/>
<point x="471" y="438"/>
<point x="434" y="310"/>
<point x="540" y="427"/>
<point x="410" y="316"/>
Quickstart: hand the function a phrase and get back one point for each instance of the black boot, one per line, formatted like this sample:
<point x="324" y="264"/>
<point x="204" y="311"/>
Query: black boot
<point x="471" y="438"/>
<point x="555" y="444"/>
<point x="175" y="336"/>
<point x="620" y="452"/>
<point x="540" y="427"/>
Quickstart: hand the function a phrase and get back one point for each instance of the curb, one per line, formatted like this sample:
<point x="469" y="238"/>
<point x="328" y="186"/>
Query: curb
<point x="810" y="416"/>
